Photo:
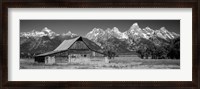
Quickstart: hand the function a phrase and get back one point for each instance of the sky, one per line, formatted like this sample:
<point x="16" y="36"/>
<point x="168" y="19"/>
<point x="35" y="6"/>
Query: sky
<point x="82" y="27"/>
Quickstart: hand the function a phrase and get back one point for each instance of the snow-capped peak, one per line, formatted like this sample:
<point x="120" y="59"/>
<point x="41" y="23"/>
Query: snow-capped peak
<point x="148" y="30"/>
<point x="135" y="26"/>
<point x="148" y="27"/>
<point x="69" y="33"/>
<point x="45" y="29"/>
<point x="116" y="33"/>
<point x="164" y="33"/>
<point x="135" y="32"/>
<point x="113" y="30"/>
<point x="44" y="32"/>
<point x="164" y="29"/>
<point x="95" y="34"/>
<point x="97" y="31"/>
<point x="116" y="29"/>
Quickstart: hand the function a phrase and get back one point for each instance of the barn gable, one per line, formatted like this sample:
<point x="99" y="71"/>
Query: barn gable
<point x="79" y="45"/>
<point x="66" y="44"/>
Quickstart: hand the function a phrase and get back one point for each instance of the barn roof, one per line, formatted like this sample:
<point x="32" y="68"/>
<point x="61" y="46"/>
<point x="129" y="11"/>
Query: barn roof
<point x="48" y="53"/>
<point x="66" y="44"/>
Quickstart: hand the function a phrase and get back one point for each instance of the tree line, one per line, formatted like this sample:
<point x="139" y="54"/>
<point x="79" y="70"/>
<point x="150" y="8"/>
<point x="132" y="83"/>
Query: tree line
<point x="170" y="50"/>
<point x="146" y="49"/>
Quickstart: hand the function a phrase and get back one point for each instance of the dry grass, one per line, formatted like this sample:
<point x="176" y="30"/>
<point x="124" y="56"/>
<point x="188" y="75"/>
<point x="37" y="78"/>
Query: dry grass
<point x="99" y="63"/>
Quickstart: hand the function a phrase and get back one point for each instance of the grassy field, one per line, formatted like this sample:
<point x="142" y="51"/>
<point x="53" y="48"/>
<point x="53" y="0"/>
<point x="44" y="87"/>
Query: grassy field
<point x="99" y="63"/>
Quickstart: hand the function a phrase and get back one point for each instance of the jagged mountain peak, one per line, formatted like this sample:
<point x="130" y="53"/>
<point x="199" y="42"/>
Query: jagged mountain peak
<point x="116" y="33"/>
<point x="114" y="29"/>
<point x="164" y="33"/>
<point x="95" y="33"/>
<point x="44" y="32"/>
<point x="148" y="30"/>
<point x="97" y="30"/>
<point x="148" y="27"/>
<point x="135" y="26"/>
<point x="163" y="29"/>
<point x="69" y="33"/>
<point x="46" y="29"/>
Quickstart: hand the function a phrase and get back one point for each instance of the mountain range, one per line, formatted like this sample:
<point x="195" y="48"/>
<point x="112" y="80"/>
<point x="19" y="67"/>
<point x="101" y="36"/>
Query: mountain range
<point x="36" y="42"/>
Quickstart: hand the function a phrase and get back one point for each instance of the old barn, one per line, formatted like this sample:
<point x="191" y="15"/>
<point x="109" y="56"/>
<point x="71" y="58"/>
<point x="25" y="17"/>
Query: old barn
<point x="79" y="48"/>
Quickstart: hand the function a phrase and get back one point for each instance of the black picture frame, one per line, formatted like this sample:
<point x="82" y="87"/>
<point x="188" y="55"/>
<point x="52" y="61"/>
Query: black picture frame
<point x="194" y="4"/>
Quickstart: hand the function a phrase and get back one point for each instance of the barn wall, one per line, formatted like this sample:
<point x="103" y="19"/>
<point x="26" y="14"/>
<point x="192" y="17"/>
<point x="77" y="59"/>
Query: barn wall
<point x="49" y="60"/>
<point x="60" y="59"/>
<point x="66" y="56"/>
<point x="95" y="54"/>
